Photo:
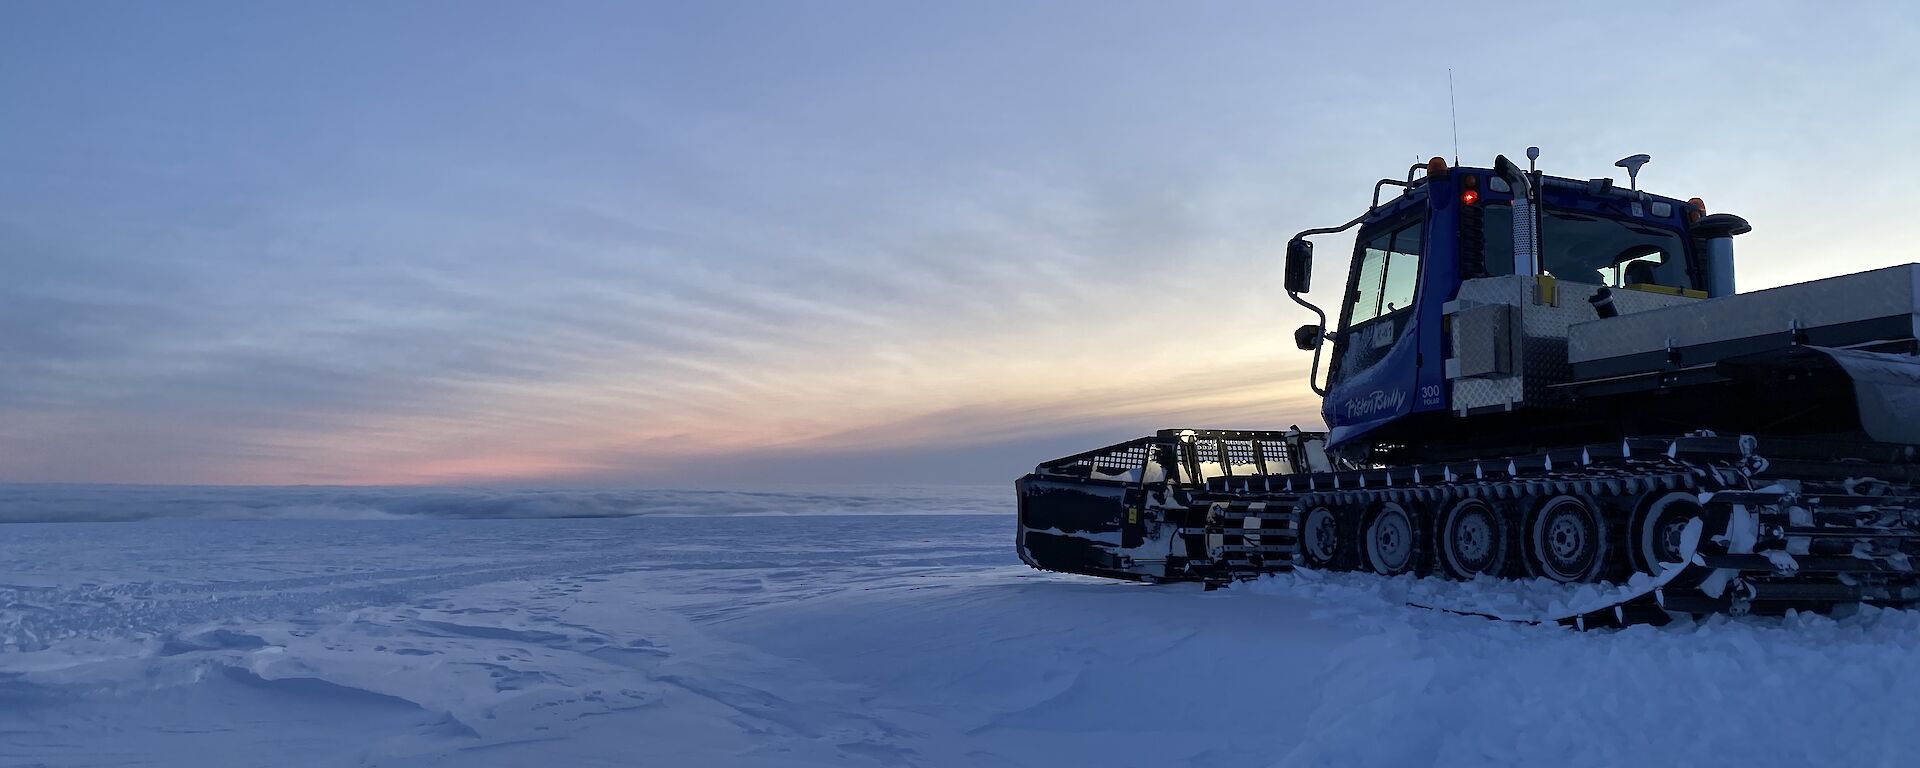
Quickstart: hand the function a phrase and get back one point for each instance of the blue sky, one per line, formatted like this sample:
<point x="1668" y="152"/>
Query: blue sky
<point x="722" y="243"/>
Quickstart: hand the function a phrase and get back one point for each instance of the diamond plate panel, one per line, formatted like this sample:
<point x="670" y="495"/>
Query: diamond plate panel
<point x="1540" y="312"/>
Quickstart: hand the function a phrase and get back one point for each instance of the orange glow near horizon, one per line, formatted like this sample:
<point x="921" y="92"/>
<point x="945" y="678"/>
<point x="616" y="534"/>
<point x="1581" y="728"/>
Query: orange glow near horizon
<point x="414" y="452"/>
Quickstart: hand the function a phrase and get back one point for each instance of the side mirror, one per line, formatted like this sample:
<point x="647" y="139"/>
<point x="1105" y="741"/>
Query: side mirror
<point x="1299" y="267"/>
<point x="1307" y="337"/>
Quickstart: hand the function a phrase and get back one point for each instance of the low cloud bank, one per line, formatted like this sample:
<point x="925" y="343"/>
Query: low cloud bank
<point x="62" y="503"/>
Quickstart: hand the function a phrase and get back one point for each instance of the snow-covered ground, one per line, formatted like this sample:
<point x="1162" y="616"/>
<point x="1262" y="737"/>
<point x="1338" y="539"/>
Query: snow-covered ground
<point x="851" y="640"/>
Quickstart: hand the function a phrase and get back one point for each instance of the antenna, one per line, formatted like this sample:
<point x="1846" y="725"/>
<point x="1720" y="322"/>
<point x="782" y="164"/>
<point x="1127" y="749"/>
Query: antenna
<point x="1632" y="164"/>
<point x="1453" y="113"/>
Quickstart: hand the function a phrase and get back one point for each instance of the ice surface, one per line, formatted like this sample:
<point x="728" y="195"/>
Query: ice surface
<point x="853" y="641"/>
<point x="80" y="503"/>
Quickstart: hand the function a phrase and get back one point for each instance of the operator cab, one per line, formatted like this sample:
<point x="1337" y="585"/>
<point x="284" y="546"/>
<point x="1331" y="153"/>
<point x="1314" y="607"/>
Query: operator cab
<point x="1456" y="238"/>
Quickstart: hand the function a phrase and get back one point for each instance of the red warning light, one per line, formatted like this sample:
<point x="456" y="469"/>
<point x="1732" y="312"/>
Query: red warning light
<point x="1470" y="197"/>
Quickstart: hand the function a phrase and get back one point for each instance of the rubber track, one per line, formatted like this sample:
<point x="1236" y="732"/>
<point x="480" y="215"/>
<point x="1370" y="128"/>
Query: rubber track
<point x="1607" y="477"/>
<point x="1879" y="521"/>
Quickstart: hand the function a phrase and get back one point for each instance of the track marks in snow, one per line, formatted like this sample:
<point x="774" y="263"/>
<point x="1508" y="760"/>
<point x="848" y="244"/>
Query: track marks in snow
<point x="518" y="661"/>
<point x="520" y="636"/>
<point x="468" y="643"/>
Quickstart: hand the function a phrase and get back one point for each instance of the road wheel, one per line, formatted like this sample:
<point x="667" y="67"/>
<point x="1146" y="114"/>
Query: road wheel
<point x="1567" y="541"/>
<point x="1471" y="540"/>
<point x="1327" y="540"/>
<point x="1391" y="542"/>
<point x="1656" y="534"/>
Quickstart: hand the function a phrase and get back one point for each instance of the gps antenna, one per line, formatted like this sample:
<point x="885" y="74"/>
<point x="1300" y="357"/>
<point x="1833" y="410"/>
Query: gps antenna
<point x="1453" y="113"/>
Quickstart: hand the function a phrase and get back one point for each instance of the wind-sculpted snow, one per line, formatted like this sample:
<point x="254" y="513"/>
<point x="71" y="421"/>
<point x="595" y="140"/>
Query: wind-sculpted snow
<point x="870" y="640"/>
<point x="75" y="503"/>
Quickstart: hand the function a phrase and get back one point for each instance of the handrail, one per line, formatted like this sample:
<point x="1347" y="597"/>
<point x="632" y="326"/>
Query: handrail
<point x="1383" y="182"/>
<point x="1409" y="184"/>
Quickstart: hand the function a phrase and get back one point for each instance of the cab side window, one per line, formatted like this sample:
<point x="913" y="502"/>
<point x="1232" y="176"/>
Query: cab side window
<point x="1389" y="274"/>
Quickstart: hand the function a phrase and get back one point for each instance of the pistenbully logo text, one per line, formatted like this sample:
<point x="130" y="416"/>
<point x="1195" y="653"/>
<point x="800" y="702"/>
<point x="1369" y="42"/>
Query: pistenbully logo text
<point x="1375" y="402"/>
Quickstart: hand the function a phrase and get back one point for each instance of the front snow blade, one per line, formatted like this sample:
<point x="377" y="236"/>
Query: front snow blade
<point x="1076" y="527"/>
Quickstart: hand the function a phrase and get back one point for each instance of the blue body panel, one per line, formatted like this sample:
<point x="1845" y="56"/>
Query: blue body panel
<point x="1442" y="272"/>
<point x="1378" y="394"/>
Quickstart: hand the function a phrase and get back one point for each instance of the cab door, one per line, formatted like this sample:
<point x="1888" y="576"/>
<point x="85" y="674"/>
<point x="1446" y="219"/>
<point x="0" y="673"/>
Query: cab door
<point x="1377" y="354"/>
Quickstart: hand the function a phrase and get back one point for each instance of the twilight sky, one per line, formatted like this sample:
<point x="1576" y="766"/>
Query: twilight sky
<point x="718" y="243"/>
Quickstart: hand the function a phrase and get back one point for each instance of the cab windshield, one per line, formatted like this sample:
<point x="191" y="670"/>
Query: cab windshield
<point x="1584" y="248"/>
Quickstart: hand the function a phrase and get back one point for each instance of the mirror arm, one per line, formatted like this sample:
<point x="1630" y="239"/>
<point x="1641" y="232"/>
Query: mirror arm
<point x="1313" y="373"/>
<point x="1333" y="230"/>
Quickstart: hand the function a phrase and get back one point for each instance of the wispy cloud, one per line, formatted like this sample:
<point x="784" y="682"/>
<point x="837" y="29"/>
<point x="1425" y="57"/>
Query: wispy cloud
<point x="637" y="244"/>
